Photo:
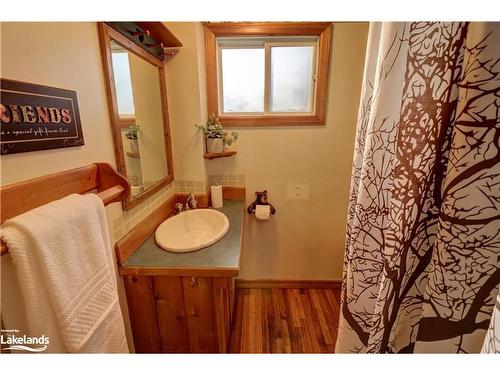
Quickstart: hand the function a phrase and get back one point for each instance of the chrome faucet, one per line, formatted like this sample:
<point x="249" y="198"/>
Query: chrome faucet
<point x="191" y="202"/>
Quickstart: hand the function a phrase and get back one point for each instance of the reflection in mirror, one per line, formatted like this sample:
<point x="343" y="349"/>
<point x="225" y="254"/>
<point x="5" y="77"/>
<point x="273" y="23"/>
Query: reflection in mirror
<point x="138" y="97"/>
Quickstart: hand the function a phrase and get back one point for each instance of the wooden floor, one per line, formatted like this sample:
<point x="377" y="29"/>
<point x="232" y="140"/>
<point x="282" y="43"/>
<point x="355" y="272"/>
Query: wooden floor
<point x="285" y="321"/>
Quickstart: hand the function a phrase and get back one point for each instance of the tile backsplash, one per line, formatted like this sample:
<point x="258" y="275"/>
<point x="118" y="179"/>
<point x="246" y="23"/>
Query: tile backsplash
<point x="227" y="180"/>
<point x="129" y="219"/>
<point x="189" y="186"/>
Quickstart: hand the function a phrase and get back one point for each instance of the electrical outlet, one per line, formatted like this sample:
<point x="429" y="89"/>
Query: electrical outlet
<point x="298" y="192"/>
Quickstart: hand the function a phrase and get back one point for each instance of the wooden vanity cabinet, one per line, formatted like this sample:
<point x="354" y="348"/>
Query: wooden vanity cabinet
<point x="180" y="314"/>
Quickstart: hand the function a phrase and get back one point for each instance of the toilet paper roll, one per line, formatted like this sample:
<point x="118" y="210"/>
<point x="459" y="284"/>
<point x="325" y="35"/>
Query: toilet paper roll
<point x="216" y="193"/>
<point x="262" y="212"/>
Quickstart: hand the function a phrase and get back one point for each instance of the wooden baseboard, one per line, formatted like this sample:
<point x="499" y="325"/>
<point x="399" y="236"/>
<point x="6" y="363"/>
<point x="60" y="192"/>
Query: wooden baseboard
<point x="288" y="284"/>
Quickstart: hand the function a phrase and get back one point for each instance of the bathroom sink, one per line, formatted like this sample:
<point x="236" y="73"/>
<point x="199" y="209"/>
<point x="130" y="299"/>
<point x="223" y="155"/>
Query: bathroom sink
<point x="191" y="230"/>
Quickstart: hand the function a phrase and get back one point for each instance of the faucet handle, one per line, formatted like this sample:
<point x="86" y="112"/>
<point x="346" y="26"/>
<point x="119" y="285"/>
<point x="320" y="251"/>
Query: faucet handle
<point x="178" y="208"/>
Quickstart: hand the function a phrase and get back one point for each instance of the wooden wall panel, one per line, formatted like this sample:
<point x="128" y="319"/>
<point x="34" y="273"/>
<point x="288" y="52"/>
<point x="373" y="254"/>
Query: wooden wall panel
<point x="198" y="300"/>
<point x="142" y="310"/>
<point x="171" y="314"/>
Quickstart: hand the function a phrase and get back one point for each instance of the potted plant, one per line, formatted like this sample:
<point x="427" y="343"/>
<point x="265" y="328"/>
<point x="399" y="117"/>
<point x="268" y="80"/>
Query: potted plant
<point x="132" y="137"/>
<point x="214" y="134"/>
<point x="229" y="139"/>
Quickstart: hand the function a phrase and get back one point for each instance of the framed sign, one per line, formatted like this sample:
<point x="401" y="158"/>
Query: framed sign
<point x="35" y="117"/>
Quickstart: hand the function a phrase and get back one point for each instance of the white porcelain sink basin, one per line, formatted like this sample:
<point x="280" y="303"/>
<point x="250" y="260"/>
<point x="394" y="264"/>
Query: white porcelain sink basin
<point x="191" y="230"/>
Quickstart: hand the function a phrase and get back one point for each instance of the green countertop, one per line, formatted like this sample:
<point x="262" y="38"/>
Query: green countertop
<point x="223" y="256"/>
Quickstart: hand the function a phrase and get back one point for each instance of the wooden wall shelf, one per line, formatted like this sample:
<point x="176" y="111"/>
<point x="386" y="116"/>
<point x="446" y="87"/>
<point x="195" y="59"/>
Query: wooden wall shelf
<point x="160" y="32"/>
<point x="213" y="155"/>
<point x="152" y="37"/>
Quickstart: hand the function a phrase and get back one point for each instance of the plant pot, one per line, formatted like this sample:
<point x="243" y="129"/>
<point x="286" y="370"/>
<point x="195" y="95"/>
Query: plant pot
<point x="215" y="145"/>
<point x="134" y="146"/>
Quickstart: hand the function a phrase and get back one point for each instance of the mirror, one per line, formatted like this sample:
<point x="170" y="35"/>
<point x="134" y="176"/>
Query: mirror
<point x="137" y="93"/>
<point x="137" y="90"/>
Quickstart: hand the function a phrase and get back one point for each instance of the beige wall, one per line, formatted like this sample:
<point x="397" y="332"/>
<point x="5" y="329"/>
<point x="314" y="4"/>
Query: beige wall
<point x="187" y="100"/>
<point x="65" y="55"/>
<point x="305" y="240"/>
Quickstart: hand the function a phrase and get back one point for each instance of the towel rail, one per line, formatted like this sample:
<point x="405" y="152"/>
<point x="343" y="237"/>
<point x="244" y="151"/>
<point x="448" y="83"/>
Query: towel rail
<point x="27" y="195"/>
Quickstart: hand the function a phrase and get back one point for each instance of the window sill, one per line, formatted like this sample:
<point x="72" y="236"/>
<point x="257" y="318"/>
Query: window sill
<point x="214" y="155"/>
<point x="295" y="120"/>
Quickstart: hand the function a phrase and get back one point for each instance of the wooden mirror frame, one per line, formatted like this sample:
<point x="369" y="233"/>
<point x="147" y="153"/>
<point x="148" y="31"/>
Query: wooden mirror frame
<point x="106" y="34"/>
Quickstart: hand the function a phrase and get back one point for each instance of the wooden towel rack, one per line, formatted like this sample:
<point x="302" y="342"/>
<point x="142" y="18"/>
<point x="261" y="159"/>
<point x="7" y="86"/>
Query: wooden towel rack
<point x="23" y="196"/>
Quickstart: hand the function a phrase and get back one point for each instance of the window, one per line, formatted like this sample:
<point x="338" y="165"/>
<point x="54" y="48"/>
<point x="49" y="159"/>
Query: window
<point x="242" y="77"/>
<point x="267" y="73"/>
<point x="123" y="83"/>
<point x="266" y="76"/>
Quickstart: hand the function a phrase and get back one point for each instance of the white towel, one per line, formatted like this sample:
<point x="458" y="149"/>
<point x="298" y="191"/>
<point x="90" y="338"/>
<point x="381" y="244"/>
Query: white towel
<point x="63" y="258"/>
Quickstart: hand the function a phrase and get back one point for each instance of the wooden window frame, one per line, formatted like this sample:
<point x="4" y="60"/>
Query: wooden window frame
<point x="322" y="30"/>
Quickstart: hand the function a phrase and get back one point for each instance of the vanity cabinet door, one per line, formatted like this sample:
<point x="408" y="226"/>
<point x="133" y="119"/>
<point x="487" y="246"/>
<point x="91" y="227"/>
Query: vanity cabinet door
<point x="209" y="309"/>
<point x="180" y="314"/>
<point x="171" y="314"/>
<point x="142" y="312"/>
<point x="199" y="304"/>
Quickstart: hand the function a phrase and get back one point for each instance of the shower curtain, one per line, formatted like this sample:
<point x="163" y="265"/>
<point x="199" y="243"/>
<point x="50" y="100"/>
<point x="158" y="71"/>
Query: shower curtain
<point x="421" y="267"/>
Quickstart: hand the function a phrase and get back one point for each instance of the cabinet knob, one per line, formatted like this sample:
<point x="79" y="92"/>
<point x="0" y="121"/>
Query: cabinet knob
<point x="193" y="280"/>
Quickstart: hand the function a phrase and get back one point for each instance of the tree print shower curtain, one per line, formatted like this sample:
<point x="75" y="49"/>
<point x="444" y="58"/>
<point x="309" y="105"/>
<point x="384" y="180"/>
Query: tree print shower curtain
<point x="421" y="268"/>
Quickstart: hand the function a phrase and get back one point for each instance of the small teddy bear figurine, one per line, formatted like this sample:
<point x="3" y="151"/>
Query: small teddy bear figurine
<point x="261" y="199"/>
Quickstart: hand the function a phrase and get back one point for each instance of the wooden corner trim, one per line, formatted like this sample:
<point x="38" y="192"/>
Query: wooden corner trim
<point x="211" y="71"/>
